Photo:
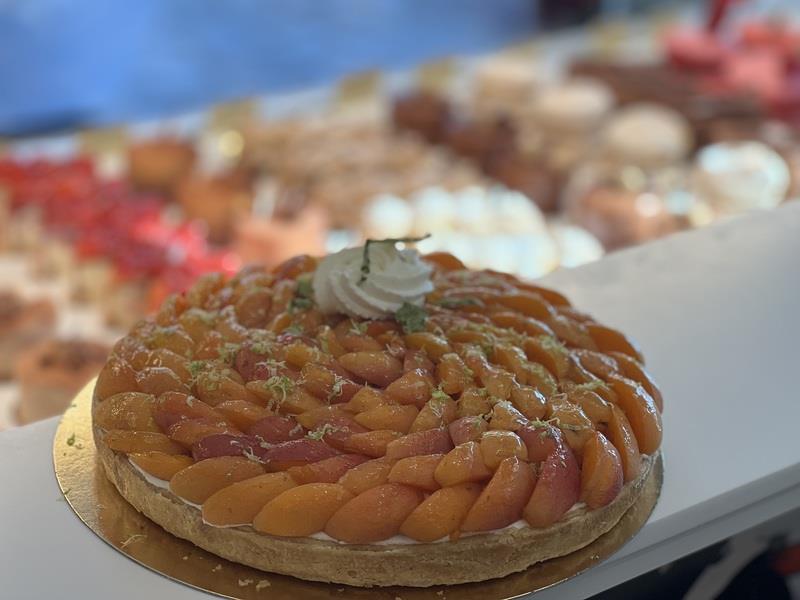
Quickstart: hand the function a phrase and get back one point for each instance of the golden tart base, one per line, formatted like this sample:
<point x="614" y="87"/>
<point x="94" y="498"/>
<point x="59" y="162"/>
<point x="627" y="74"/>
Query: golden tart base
<point x="82" y="474"/>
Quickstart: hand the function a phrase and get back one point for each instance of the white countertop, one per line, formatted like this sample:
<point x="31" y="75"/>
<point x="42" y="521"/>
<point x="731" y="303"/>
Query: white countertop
<point x="717" y="315"/>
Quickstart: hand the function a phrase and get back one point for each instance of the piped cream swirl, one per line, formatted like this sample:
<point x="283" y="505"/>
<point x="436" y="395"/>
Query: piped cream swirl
<point x="394" y="278"/>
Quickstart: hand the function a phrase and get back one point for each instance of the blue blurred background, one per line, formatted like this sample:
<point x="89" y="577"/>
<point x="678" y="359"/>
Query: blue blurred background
<point x="65" y="63"/>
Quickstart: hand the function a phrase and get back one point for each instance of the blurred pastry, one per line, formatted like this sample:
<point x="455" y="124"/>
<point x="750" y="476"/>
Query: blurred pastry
<point x="647" y="135"/>
<point x="423" y="112"/>
<point x="503" y="84"/>
<point x="734" y="177"/>
<point x="52" y="372"/>
<point x="220" y="201"/>
<point x="159" y="163"/>
<point x="529" y="175"/>
<point x="22" y="324"/>
<point x="576" y="106"/>
<point x="480" y="139"/>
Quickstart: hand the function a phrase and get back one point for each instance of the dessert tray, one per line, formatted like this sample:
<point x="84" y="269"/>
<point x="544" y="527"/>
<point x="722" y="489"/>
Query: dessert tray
<point x="373" y="418"/>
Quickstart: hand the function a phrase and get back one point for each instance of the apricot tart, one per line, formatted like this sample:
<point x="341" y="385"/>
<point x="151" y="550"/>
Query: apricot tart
<point x="377" y="418"/>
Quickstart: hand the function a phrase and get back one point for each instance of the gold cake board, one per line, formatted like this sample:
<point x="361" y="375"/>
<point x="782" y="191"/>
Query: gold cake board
<point x="97" y="503"/>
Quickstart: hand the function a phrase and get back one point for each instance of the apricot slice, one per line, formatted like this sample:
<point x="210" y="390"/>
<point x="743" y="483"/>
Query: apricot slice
<point x="432" y="441"/>
<point x="575" y="426"/>
<point x="632" y="369"/>
<point x="115" y="377"/>
<point x="224" y="444"/>
<point x="529" y="304"/>
<point x="473" y="402"/>
<point x="502" y="500"/>
<point x="329" y="470"/>
<point x="137" y="442"/>
<point x="541" y="440"/>
<point x="190" y="431"/>
<point x="610" y="340"/>
<point x="463" y="464"/>
<point x="302" y="510"/>
<point x="417" y="359"/>
<point x="241" y="413"/>
<point x="197" y="482"/>
<point x="431" y="344"/>
<point x="158" y="380"/>
<point x="365" y="399"/>
<point x="371" y="443"/>
<point x="275" y="430"/>
<point x="453" y="374"/>
<point x="126" y="410"/>
<point x="504" y="416"/>
<point x="295" y="453"/>
<point x="641" y="411"/>
<point x="367" y="475"/>
<point x="444" y="261"/>
<point x="377" y="368"/>
<point x="172" y="407"/>
<point x="496" y="446"/>
<point x="417" y="471"/>
<point x="317" y="416"/>
<point x="557" y="488"/>
<point x="601" y="472"/>
<point x="439" y="411"/>
<point x="160" y="465"/>
<point x="441" y="513"/>
<point x="467" y="429"/>
<point x="621" y="435"/>
<point x="529" y="401"/>
<point x="413" y="387"/>
<point x="239" y="503"/>
<point x="394" y="417"/>
<point x="374" y="515"/>
<point x="549" y="352"/>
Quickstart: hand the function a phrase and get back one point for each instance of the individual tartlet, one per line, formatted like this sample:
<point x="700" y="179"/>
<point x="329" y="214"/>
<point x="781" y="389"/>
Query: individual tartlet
<point x="502" y="85"/>
<point x="160" y="163"/>
<point x="377" y="418"/>
<point x="52" y="372"/>
<point x="22" y="324"/>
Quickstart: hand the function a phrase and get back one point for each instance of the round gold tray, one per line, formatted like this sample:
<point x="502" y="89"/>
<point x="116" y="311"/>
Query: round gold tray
<point x="98" y="504"/>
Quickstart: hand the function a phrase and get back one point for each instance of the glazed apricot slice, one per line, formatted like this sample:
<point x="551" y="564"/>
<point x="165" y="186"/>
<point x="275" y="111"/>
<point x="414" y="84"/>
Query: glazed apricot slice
<point x="224" y="444"/>
<point x="463" y="464"/>
<point x="413" y="387"/>
<point x="239" y="503"/>
<point x="329" y="470"/>
<point x="126" y="410"/>
<point x="431" y="344"/>
<point x="137" y="442"/>
<point x="160" y="465"/>
<point x="439" y="411"/>
<point x="371" y="443"/>
<point x="505" y="416"/>
<point x="367" y="475"/>
<point x="557" y="488"/>
<point x="317" y="416"/>
<point x="610" y="340"/>
<point x="453" y="374"/>
<point x="241" y="413"/>
<point x="190" y="431"/>
<point x="158" y="380"/>
<point x="365" y="399"/>
<point x="417" y="471"/>
<point x="601" y="472"/>
<point x="641" y="411"/>
<point x="172" y="407"/>
<point x="115" y="377"/>
<point x="295" y="453"/>
<point x="441" y="513"/>
<point x="374" y="515"/>
<point x="444" y="261"/>
<point x="496" y="446"/>
<point x="529" y="304"/>
<point x="394" y="417"/>
<point x="432" y="441"/>
<point x="467" y="429"/>
<point x="621" y="435"/>
<point x="502" y="500"/>
<point x="472" y="403"/>
<point x="197" y="482"/>
<point x="302" y="510"/>
<point x="276" y="429"/>
<point x="633" y="369"/>
<point x="377" y="368"/>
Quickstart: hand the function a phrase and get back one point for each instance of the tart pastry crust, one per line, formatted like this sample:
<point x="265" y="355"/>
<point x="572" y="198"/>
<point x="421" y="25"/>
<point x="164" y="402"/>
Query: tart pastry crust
<point x="468" y="559"/>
